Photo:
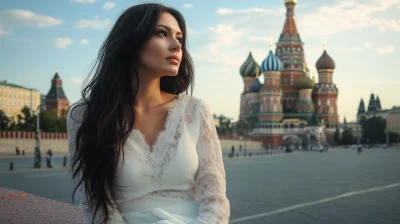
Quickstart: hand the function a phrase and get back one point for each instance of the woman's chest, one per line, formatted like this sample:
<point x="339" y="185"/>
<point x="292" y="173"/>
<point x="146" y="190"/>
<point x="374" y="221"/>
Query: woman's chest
<point x="174" y="160"/>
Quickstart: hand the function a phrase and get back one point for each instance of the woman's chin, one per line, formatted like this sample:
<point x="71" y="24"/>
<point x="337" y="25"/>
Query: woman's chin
<point x="172" y="72"/>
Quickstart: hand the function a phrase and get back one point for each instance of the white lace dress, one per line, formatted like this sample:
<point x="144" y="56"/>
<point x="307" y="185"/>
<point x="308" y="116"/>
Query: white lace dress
<point x="180" y="179"/>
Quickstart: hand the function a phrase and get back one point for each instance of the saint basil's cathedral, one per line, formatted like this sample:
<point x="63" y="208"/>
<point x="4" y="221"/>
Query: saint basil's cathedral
<point x="289" y="107"/>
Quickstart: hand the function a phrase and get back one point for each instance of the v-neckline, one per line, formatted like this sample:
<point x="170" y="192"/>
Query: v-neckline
<point x="152" y="148"/>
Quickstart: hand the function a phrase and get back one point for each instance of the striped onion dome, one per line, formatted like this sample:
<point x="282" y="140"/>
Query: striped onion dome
<point x="304" y="82"/>
<point x="325" y="62"/>
<point x="256" y="86"/>
<point x="249" y="67"/>
<point x="271" y="63"/>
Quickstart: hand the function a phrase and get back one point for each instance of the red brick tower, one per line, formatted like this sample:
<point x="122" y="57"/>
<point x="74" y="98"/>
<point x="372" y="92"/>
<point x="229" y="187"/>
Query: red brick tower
<point x="56" y="98"/>
<point x="290" y="51"/>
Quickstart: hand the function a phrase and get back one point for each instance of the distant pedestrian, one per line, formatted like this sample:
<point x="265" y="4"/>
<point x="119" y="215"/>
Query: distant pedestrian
<point x="17" y="152"/>
<point x="49" y="161"/>
<point x="65" y="161"/>
<point x="23" y="152"/>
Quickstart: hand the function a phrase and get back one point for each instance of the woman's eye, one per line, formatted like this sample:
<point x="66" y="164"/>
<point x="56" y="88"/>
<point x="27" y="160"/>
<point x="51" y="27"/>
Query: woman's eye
<point x="161" y="32"/>
<point x="180" y="40"/>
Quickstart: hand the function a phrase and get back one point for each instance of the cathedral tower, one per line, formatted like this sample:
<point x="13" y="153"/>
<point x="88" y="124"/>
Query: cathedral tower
<point x="56" y="98"/>
<point x="248" y="71"/>
<point x="290" y="51"/>
<point x="271" y="92"/>
<point x="325" y="92"/>
<point x="305" y="85"/>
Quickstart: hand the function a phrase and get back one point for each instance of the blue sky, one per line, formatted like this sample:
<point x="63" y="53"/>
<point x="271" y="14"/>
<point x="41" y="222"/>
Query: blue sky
<point x="363" y="37"/>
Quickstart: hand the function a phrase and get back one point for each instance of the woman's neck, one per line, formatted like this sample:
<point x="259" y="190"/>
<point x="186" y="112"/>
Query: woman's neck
<point x="149" y="94"/>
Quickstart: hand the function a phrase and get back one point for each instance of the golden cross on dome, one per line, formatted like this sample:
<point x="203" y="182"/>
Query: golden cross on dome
<point x="325" y="43"/>
<point x="304" y="66"/>
<point x="250" y="44"/>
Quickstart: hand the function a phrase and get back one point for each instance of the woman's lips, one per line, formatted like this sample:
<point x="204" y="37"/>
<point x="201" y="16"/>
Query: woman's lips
<point x="173" y="61"/>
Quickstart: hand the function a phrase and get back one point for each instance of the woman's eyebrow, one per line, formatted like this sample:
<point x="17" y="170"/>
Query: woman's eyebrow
<point x="169" y="29"/>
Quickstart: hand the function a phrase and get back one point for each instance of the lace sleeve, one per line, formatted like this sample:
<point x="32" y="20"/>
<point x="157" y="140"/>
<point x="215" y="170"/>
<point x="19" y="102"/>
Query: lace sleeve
<point x="210" y="178"/>
<point x="73" y="123"/>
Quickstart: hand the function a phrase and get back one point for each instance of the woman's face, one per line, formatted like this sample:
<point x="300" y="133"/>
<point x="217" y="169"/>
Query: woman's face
<point x="165" y="42"/>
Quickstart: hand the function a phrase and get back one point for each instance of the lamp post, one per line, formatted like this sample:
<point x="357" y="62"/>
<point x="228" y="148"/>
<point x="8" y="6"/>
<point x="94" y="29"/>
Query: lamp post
<point x="37" y="157"/>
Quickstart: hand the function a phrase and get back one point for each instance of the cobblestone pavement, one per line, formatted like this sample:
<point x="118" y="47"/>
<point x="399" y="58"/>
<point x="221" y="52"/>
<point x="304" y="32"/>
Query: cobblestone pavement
<point x="339" y="186"/>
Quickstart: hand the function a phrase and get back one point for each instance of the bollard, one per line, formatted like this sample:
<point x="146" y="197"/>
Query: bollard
<point x="65" y="161"/>
<point x="11" y="166"/>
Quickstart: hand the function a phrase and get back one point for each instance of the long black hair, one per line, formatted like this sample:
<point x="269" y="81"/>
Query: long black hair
<point x="109" y="98"/>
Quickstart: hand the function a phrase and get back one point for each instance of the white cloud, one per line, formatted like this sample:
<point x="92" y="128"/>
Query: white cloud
<point x="93" y="24"/>
<point x="225" y="36"/>
<point x="27" y="18"/>
<point x="83" y="41"/>
<point x="227" y="11"/>
<point x="77" y="80"/>
<point x="369" y="44"/>
<point x="84" y="1"/>
<point x="350" y="16"/>
<point x="385" y="50"/>
<point x="353" y="49"/>
<point x="387" y="24"/>
<point x="62" y="42"/>
<point x="187" y="5"/>
<point x="109" y="5"/>
<point x="3" y="32"/>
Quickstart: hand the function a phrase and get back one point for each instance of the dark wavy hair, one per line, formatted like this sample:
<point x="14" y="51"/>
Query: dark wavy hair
<point x="109" y="99"/>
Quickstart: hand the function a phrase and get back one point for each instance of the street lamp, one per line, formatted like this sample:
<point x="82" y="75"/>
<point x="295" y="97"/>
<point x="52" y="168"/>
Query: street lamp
<point x="37" y="157"/>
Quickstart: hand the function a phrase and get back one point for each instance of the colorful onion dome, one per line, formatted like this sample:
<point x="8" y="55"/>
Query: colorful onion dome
<point x="249" y="67"/>
<point x="304" y="82"/>
<point x="256" y="86"/>
<point x="290" y="1"/>
<point x="271" y="63"/>
<point x="325" y="62"/>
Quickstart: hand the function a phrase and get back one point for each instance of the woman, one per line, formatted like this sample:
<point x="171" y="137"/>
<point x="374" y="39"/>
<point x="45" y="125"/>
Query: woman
<point x="142" y="150"/>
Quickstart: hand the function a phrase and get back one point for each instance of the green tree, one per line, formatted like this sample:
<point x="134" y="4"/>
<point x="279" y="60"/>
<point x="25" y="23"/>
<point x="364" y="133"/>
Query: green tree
<point x="347" y="137"/>
<point x="62" y="122"/>
<point x="25" y="121"/>
<point x="394" y="137"/>
<point x="243" y="127"/>
<point x="373" y="130"/>
<point x="336" y="137"/>
<point x="5" y="122"/>
<point x="48" y="121"/>
<point x="225" y="126"/>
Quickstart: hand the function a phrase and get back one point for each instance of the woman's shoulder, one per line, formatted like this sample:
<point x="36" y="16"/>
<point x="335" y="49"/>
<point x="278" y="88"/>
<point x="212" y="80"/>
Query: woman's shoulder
<point x="196" y="101"/>
<point x="196" y="104"/>
<point x="76" y="113"/>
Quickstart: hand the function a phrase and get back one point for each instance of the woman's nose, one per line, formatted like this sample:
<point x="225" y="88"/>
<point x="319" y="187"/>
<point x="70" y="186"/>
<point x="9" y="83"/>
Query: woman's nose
<point x="176" y="46"/>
